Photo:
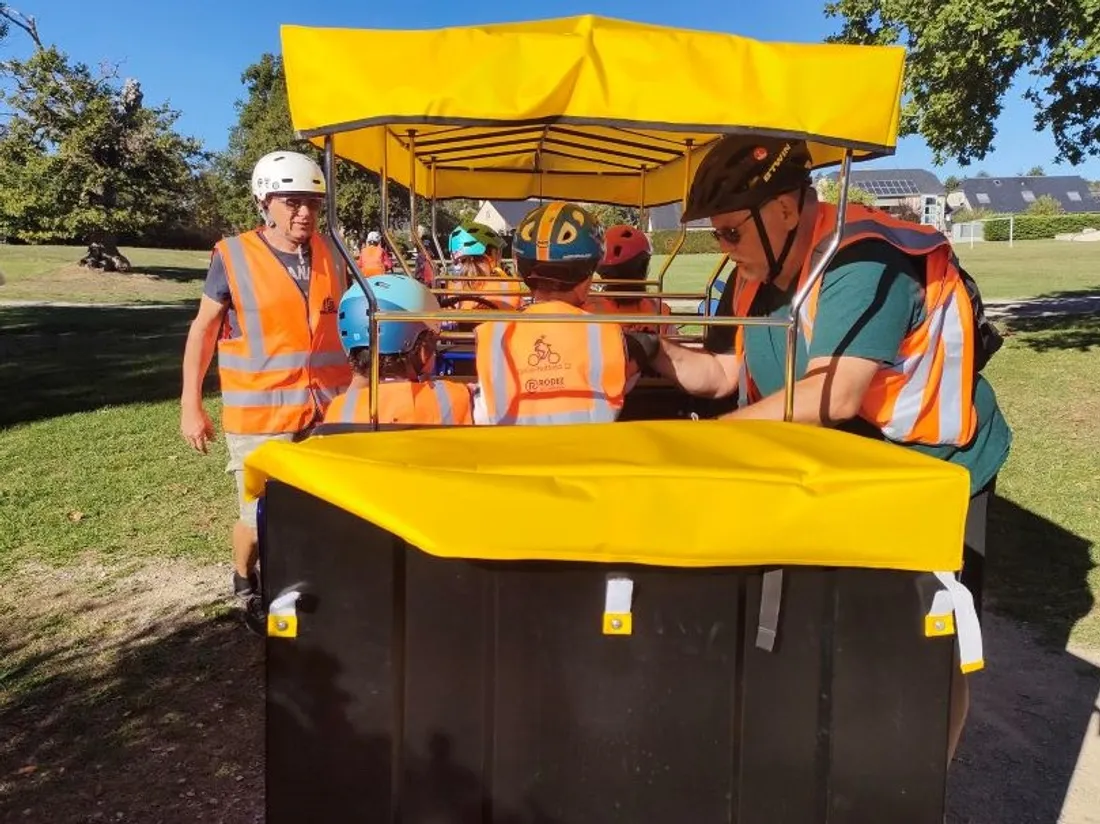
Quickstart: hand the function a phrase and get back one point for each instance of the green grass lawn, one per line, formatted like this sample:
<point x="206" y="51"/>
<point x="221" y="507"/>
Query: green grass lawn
<point x="91" y="462"/>
<point x="51" y="273"/>
<point x="1029" y="269"/>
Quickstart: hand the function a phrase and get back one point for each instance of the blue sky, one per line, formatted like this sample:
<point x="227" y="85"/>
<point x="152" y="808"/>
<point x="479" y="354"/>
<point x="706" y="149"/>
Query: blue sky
<point x="192" y="53"/>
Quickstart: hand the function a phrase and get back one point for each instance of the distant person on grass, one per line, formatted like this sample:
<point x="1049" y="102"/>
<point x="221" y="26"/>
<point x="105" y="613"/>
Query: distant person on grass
<point x="269" y="308"/>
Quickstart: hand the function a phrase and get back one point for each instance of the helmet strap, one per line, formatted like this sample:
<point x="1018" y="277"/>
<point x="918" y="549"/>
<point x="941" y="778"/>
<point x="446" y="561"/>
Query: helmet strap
<point x="775" y="264"/>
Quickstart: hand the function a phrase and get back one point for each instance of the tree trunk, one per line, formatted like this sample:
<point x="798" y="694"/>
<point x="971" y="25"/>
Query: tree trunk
<point x="103" y="254"/>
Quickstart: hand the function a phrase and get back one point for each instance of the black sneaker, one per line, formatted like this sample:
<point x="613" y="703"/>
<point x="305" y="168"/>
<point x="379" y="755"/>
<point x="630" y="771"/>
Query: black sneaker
<point x="255" y="616"/>
<point x="245" y="587"/>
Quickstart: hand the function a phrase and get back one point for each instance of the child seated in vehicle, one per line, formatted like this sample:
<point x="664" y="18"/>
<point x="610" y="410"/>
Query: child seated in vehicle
<point x="406" y="393"/>
<point x="476" y="251"/>
<point x="554" y="372"/>
<point x="627" y="252"/>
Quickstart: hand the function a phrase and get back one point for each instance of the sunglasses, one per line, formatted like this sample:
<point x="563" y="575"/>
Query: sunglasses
<point x="730" y="234"/>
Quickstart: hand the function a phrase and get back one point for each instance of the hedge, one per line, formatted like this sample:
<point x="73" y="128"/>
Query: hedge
<point x="697" y="242"/>
<point x="1036" y="227"/>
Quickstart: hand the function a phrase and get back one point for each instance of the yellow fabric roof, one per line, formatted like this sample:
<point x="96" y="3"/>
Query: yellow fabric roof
<point x="577" y="107"/>
<point x="670" y="493"/>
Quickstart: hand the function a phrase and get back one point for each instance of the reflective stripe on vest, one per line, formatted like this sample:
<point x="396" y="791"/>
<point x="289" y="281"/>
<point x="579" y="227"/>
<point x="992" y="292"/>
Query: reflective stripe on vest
<point x="926" y="394"/>
<point x="284" y="369"/>
<point x="505" y="397"/>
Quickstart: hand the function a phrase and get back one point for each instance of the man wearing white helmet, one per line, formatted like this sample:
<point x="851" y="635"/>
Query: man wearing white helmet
<point x="269" y="308"/>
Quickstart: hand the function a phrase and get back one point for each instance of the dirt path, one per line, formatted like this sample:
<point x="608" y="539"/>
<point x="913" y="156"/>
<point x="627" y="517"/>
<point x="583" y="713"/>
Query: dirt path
<point x="136" y="695"/>
<point x="1030" y="753"/>
<point x="128" y="696"/>
<point x="1084" y="304"/>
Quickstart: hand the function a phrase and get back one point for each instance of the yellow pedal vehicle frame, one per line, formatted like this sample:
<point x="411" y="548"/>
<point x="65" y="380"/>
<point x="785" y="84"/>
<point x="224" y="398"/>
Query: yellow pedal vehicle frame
<point x="576" y="109"/>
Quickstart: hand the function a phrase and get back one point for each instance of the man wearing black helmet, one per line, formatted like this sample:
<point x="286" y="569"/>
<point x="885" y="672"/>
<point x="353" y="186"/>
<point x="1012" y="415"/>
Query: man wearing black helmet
<point x="891" y="338"/>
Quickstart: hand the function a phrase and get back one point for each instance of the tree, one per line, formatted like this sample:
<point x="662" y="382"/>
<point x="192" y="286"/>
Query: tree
<point x="609" y="215"/>
<point x="82" y="156"/>
<point x="828" y="190"/>
<point x="1045" y="205"/>
<point x="952" y="184"/>
<point x="1036" y="171"/>
<point x="963" y="55"/>
<point x="982" y="173"/>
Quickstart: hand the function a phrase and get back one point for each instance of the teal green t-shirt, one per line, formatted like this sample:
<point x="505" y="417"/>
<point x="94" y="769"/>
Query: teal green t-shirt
<point x="871" y="297"/>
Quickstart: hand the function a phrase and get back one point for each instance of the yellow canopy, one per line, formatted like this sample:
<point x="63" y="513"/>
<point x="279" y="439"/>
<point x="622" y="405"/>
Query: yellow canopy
<point x="669" y="493"/>
<point x="580" y="107"/>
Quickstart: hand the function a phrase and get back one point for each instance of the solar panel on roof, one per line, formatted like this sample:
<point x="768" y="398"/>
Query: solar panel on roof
<point x="891" y="188"/>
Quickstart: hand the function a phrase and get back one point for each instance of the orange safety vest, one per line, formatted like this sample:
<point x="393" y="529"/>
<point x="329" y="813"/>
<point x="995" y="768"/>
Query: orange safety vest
<point x="631" y="306"/>
<point x="372" y="261"/>
<point x="287" y="365"/>
<point x="926" y="394"/>
<point x="431" y="402"/>
<point x="553" y="373"/>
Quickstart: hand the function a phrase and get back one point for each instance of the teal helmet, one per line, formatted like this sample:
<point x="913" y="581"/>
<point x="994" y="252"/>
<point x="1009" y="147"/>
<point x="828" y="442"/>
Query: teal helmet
<point x="470" y="239"/>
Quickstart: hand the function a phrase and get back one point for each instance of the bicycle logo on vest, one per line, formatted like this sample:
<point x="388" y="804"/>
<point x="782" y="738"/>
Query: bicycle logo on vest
<point x="543" y="352"/>
<point x="542" y="358"/>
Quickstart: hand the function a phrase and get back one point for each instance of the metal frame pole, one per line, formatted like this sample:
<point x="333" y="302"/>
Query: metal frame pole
<point x="815" y="274"/>
<point x="353" y="267"/>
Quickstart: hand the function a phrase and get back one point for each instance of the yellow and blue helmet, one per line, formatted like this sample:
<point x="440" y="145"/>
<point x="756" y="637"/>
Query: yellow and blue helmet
<point x="558" y="241"/>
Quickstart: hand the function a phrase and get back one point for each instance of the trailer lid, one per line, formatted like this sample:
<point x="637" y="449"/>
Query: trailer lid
<point x="665" y="493"/>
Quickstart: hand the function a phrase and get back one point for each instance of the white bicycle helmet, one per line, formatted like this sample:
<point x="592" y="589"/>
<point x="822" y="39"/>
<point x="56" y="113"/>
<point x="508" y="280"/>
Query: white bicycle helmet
<point x="374" y="237"/>
<point x="286" y="173"/>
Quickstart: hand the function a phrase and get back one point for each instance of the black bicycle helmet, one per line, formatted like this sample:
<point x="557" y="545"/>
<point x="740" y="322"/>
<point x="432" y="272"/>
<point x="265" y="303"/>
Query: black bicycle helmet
<point x="745" y="172"/>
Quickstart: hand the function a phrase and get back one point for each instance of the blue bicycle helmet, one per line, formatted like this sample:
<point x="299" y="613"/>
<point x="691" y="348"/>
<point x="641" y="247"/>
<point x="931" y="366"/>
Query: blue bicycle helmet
<point x="394" y="293"/>
<point x="470" y="239"/>
<point x="558" y="241"/>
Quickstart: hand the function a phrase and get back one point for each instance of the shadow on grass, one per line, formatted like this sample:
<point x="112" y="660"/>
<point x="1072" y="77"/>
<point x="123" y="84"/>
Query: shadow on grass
<point x="1079" y="332"/>
<point x="173" y="732"/>
<point x="177" y="274"/>
<point x="58" y="360"/>
<point x="1031" y="706"/>
<point x="170" y="731"/>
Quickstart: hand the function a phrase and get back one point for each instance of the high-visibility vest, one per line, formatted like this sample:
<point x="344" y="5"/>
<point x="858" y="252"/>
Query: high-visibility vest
<point x="926" y="394"/>
<point x="287" y="365"/>
<point x="430" y="402"/>
<point x="503" y="294"/>
<point x="606" y="303"/>
<point x="551" y="373"/>
<point x="372" y="261"/>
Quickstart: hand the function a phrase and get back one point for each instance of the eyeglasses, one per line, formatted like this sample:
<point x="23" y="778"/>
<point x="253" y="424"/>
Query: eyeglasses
<point x="296" y="203"/>
<point x="730" y="234"/>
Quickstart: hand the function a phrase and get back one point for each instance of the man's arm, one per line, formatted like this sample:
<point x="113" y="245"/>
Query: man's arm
<point x="700" y="373"/>
<point x="198" y="351"/>
<point x="830" y="393"/>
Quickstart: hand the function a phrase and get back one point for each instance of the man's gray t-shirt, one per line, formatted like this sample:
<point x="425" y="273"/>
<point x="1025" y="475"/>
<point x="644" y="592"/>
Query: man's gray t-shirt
<point x="216" y="286"/>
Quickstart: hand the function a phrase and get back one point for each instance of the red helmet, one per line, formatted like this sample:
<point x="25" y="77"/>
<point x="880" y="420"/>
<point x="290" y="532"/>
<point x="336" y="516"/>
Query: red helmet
<point x="623" y="243"/>
<point x="626" y="255"/>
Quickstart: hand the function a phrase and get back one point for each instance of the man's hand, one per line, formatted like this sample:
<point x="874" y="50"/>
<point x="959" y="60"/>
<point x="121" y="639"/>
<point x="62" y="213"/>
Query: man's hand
<point x="196" y="428"/>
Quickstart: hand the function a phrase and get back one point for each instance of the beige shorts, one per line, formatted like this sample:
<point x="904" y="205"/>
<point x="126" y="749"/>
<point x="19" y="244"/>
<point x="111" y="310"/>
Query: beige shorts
<point x="240" y="447"/>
